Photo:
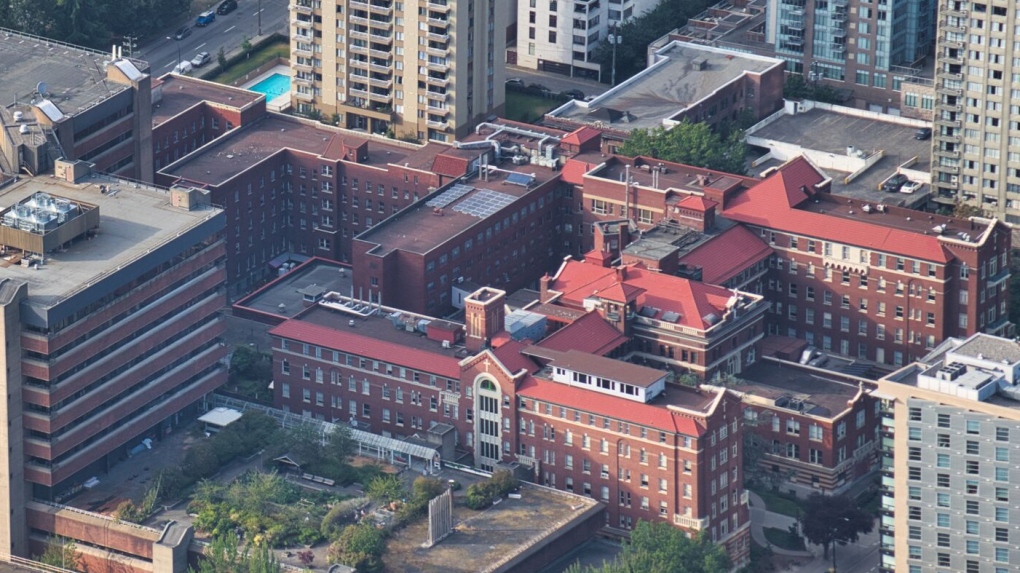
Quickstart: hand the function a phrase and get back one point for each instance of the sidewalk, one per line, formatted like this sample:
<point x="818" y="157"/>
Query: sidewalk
<point x="762" y="518"/>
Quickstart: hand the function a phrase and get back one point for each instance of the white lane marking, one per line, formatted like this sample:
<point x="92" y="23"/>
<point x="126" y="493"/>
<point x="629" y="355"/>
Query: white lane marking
<point x="173" y="63"/>
<point x="229" y="29"/>
<point x="200" y="46"/>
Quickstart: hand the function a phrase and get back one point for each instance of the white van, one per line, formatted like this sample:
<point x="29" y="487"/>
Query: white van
<point x="184" y="67"/>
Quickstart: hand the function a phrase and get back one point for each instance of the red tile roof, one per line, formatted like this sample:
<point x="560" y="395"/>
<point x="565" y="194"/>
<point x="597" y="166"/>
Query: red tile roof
<point x="450" y="166"/>
<point x="697" y="203"/>
<point x="581" y="136"/>
<point x="509" y="355"/>
<point x="590" y="334"/>
<point x="771" y="203"/>
<point x="574" y="170"/>
<point x="727" y="255"/>
<point x="692" y="300"/>
<point x="656" y="416"/>
<point x="354" y="343"/>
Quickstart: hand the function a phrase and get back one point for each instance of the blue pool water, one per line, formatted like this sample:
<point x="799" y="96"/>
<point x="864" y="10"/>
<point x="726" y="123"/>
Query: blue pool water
<point x="274" y="86"/>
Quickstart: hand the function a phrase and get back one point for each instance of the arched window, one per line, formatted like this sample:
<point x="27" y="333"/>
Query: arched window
<point x="488" y="385"/>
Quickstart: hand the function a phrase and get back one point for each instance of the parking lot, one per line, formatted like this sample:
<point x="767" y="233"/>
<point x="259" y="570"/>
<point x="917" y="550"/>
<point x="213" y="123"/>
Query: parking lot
<point x="556" y="82"/>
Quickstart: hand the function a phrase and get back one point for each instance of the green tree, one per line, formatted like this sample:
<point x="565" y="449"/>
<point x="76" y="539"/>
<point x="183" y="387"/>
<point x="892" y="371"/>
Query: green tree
<point x="61" y="552"/>
<point x="828" y="520"/>
<point x="246" y="45"/>
<point x="386" y="488"/>
<point x="658" y="547"/>
<point x="637" y="33"/>
<point x="694" y="144"/>
<point x="359" y="546"/>
<point x="221" y="58"/>
<point x="223" y="555"/>
<point x="966" y="211"/>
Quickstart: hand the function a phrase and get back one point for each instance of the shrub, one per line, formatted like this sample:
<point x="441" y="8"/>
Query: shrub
<point x="385" y="489"/>
<point x="360" y="547"/>
<point x="341" y="515"/>
<point x="480" y="495"/>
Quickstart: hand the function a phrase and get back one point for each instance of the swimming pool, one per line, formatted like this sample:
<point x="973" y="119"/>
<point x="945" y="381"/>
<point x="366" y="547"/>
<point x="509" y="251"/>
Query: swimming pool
<point x="274" y="86"/>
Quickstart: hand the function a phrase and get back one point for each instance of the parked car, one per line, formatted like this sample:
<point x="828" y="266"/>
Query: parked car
<point x="183" y="67"/>
<point x="201" y="59"/>
<point x="910" y="187"/>
<point x="182" y="32"/>
<point x="538" y="87"/>
<point x="516" y="82"/>
<point x="923" y="133"/>
<point x="575" y="94"/>
<point x="811" y="356"/>
<point x="226" y="7"/>
<point x="205" y="18"/>
<point x="894" y="183"/>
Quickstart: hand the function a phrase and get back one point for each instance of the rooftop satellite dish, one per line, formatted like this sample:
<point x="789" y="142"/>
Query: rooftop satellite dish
<point x="40" y="88"/>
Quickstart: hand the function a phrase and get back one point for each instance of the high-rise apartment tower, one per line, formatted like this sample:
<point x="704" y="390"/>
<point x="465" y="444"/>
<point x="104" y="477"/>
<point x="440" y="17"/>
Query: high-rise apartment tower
<point x="422" y="69"/>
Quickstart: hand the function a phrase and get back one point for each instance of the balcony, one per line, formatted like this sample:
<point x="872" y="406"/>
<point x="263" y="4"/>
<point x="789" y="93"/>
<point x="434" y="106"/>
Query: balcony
<point x="383" y="9"/>
<point x="379" y="68"/>
<point x="437" y="67"/>
<point x="306" y="24"/>
<point x="948" y="122"/>
<point x="301" y="9"/>
<point x="360" y="20"/>
<point x="380" y="97"/>
<point x="437" y="124"/>
<point x="356" y="63"/>
<point x="945" y="26"/>
<point x="382" y="26"/>
<point x="301" y="51"/>
<point x="440" y="82"/>
<point x="951" y="76"/>
<point x="301" y="81"/>
<point x="690" y="522"/>
<point x="840" y="3"/>
<point x="382" y="54"/>
<point x="954" y="13"/>
<point x="438" y="52"/>
<point x="954" y="60"/>
<point x="380" y="83"/>
<point x="355" y="92"/>
<point x="839" y="16"/>
<point x="437" y="108"/>
<point x="947" y="153"/>
<point x="437" y="22"/>
<point x="304" y="96"/>
<point x="360" y="4"/>
<point x="439" y="6"/>
<point x="358" y="34"/>
<point x="436" y="37"/>
<point x="356" y="49"/>
<point x="951" y="169"/>
<point x="381" y="38"/>
<point x="952" y="44"/>
<point x="301" y="66"/>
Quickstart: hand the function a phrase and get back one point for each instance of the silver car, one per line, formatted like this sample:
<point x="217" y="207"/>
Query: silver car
<point x="201" y="59"/>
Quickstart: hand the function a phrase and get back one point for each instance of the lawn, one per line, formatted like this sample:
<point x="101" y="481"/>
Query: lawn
<point x="528" y="108"/>
<point x="779" y="503"/>
<point x="784" y="539"/>
<point x="277" y="49"/>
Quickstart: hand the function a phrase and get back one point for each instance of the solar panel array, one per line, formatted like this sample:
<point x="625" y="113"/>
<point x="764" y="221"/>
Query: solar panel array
<point x="520" y="179"/>
<point x="484" y="203"/>
<point x="449" y="196"/>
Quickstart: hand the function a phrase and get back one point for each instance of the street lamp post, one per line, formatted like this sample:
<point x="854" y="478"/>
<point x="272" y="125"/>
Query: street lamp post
<point x="614" y="40"/>
<point x="260" y="17"/>
<point x="178" y="51"/>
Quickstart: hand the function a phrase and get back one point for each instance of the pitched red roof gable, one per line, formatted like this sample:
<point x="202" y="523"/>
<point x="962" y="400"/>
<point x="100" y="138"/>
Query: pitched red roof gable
<point x="692" y="300"/>
<point x="697" y="203"/>
<point x="574" y="169"/>
<point x="652" y="415"/>
<point x="509" y="355"/>
<point x="450" y="166"/>
<point x="354" y="343"/>
<point x="590" y="334"/>
<point x="581" y="136"/>
<point x="727" y="255"/>
<point x="771" y="204"/>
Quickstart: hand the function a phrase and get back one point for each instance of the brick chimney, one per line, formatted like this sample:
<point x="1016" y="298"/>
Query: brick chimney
<point x="483" y="314"/>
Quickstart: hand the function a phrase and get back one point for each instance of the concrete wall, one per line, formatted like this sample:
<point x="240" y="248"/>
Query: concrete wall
<point x="13" y="537"/>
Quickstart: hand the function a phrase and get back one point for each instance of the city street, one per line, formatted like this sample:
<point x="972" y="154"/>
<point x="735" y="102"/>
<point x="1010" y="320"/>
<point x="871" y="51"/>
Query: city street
<point x="556" y="82"/>
<point x="226" y="31"/>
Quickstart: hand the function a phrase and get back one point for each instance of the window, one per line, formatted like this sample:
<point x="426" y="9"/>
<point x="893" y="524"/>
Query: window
<point x="973" y="427"/>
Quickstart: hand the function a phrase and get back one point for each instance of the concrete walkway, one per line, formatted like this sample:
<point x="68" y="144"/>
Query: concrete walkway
<point x="762" y="518"/>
